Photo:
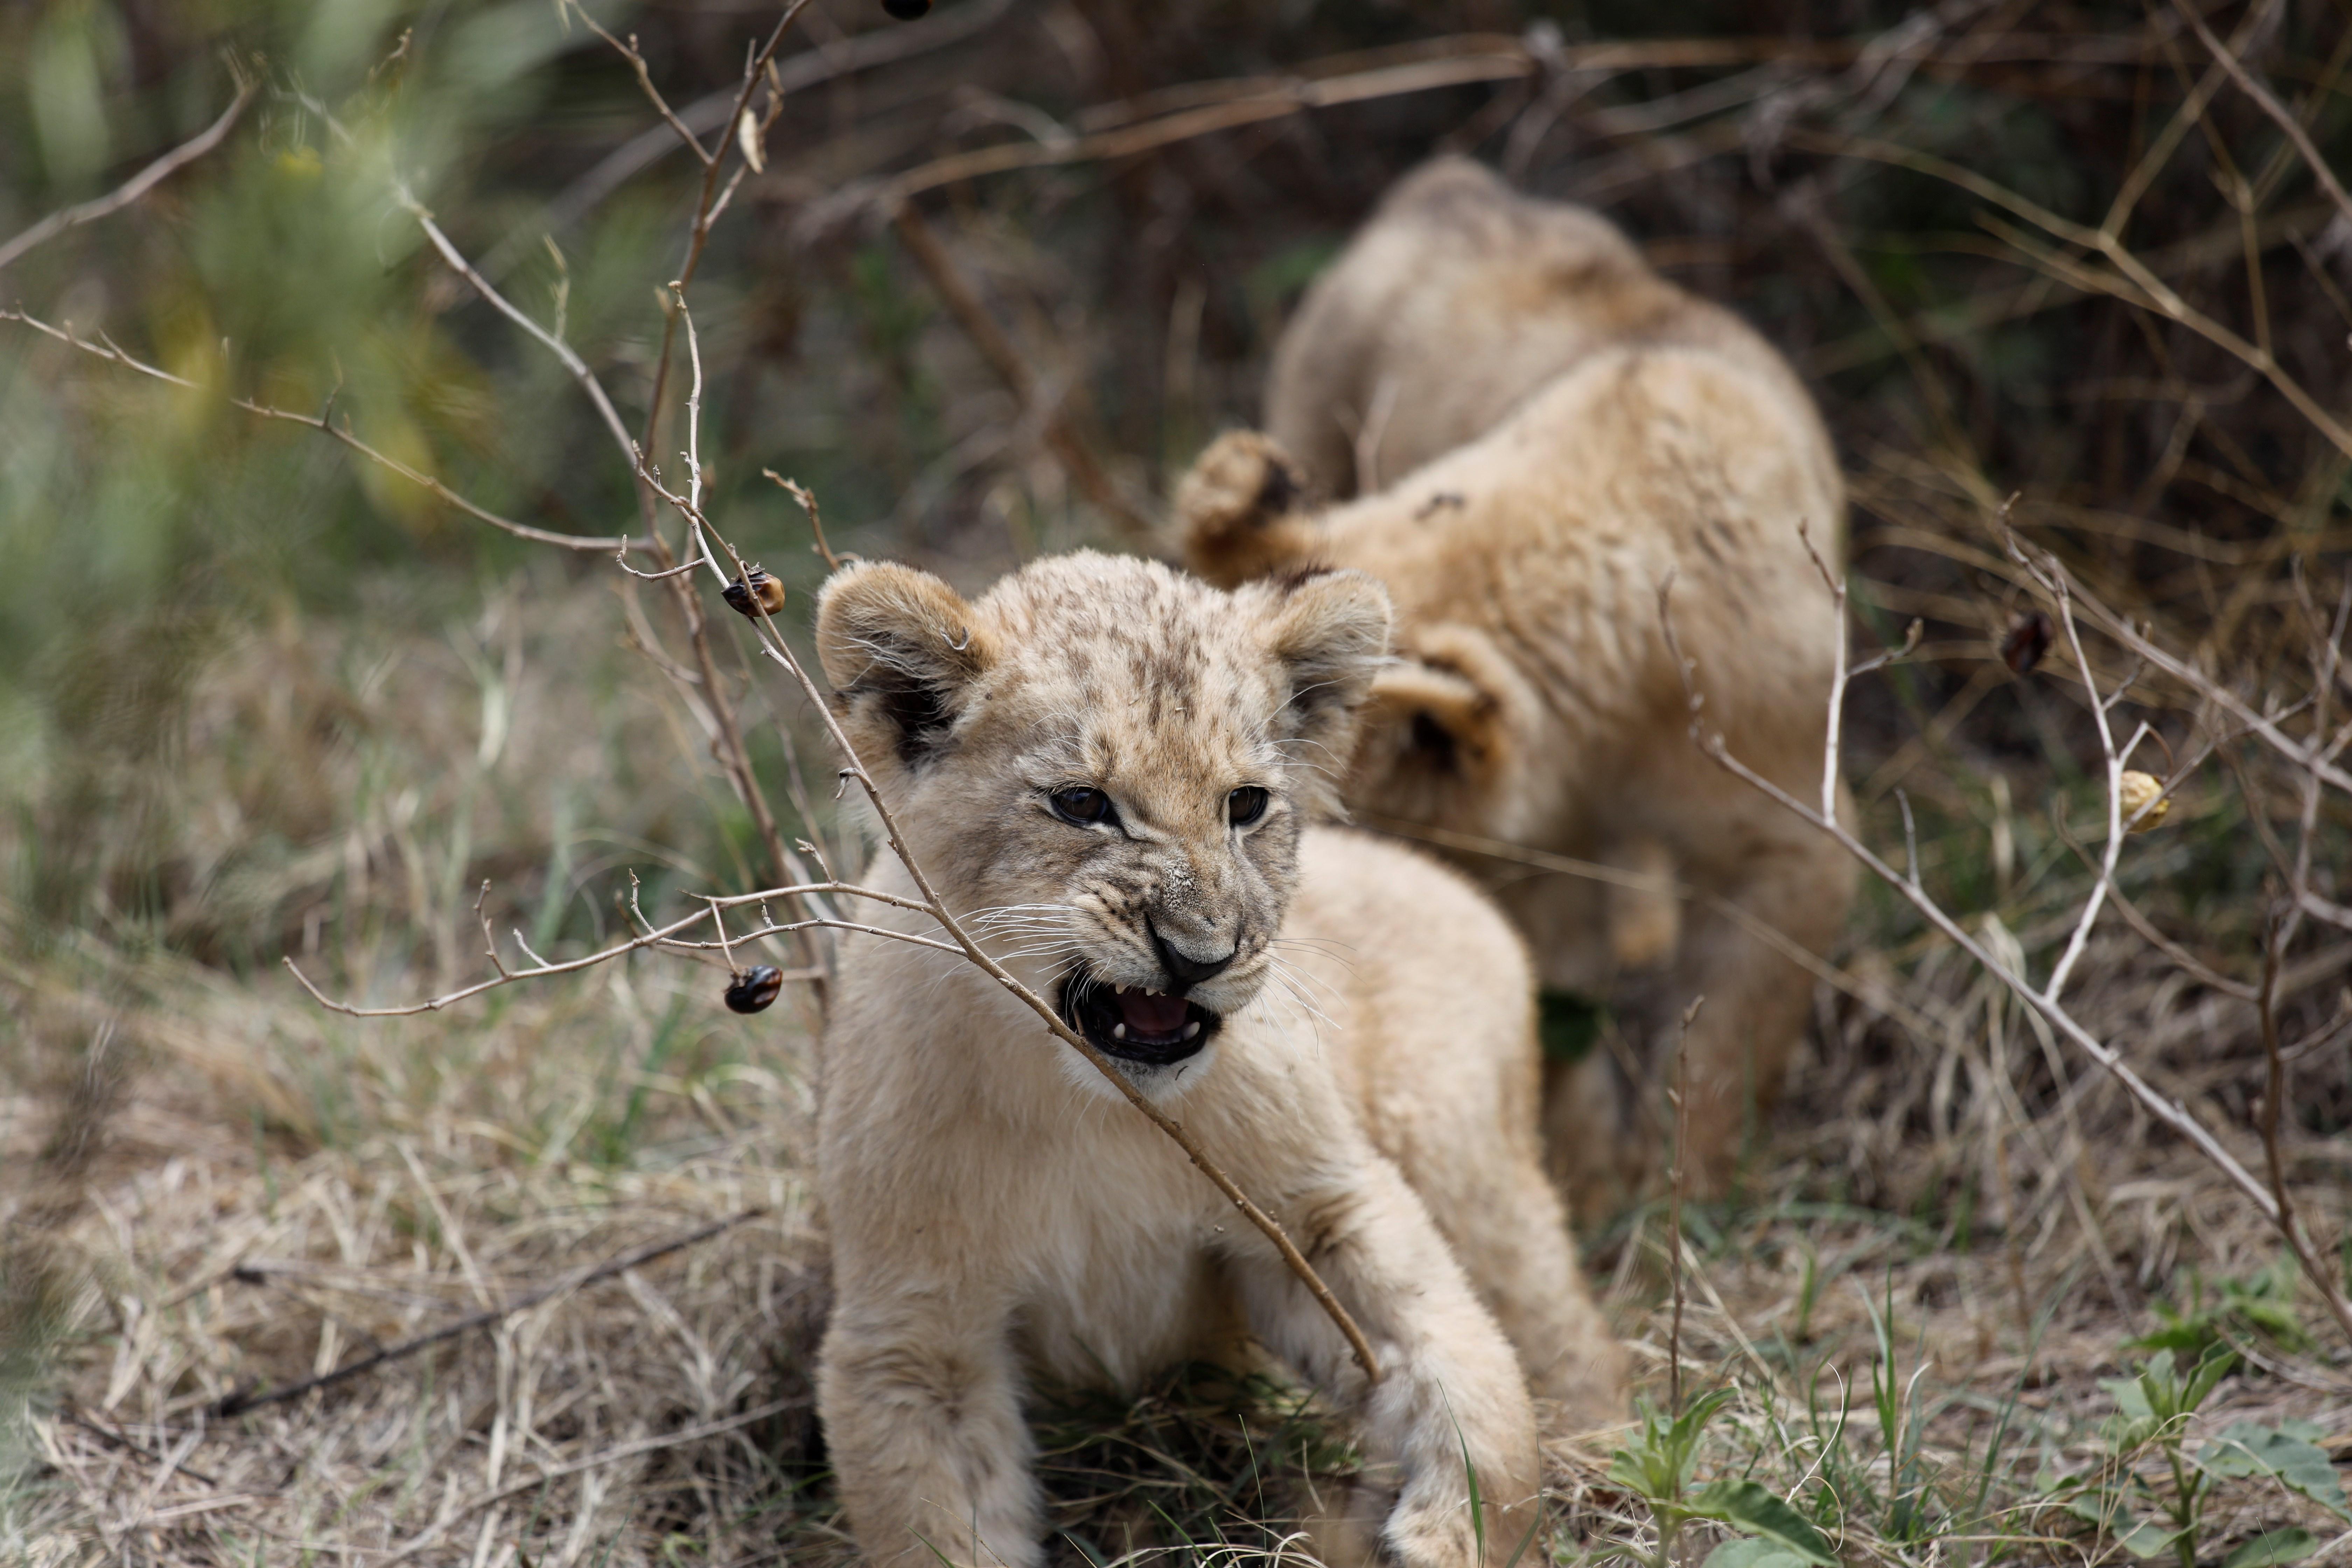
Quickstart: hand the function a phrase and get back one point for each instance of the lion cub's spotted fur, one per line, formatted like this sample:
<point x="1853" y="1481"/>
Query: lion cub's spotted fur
<point x="1547" y="433"/>
<point x="1000" y="1217"/>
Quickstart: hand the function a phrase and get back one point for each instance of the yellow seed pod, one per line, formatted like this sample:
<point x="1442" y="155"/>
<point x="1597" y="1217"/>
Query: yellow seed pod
<point x="2136" y="790"/>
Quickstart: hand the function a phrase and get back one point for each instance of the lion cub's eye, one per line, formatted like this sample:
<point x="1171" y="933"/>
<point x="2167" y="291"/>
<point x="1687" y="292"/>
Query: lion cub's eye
<point x="1245" y="805"/>
<point x="1084" y="806"/>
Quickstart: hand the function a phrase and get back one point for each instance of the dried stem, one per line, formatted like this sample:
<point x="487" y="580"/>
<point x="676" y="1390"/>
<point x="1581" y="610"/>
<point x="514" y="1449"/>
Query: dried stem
<point x="138" y="185"/>
<point x="237" y="1403"/>
<point x="800" y="492"/>
<point x="651" y="937"/>
<point x="1068" y="446"/>
<point x="2267" y="1198"/>
<point x="2271" y="106"/>
<point x="1678" y="1182"/>
<point x="323" y="423"/>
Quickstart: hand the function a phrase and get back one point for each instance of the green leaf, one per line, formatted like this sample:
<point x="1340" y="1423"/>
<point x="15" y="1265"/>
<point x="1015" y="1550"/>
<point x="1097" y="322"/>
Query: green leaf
<point x="2105" y="1509"/>
<point x="2131" y="1395"/>
<point x="1657" y="1464"/>
<point x="2272" y="1547"/>
<point x="2216" y="1366"/>
<point x="2298" y="1465"/>
<point x="1760" y="1510"/>
<point x="2150" y="1540"/>
<point x="1744" y="1552"/>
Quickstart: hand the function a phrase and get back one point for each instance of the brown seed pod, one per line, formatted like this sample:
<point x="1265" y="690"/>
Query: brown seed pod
<point x="755" y="592"/>
<point x="907" y="10"/>
<point x="755" y="988"/>
<point x="2022" y="646"/>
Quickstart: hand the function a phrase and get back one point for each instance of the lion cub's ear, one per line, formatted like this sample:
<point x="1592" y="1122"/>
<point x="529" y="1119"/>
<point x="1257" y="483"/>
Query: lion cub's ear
<point x="1447" y="717"/>
<point x="1329" y="631"/>
<point x="900" y="650"/>
<point x="1241" y="511"/>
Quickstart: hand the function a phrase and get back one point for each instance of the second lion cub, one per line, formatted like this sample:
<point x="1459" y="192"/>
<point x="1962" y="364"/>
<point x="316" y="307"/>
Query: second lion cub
<point x="1545" y="433"/>
<point x="1099" y="763"/>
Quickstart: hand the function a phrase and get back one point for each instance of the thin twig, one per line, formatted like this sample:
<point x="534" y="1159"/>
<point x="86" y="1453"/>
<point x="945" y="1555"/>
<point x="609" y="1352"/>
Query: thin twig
<point x="138" y="185"/>
<point x="324" y="424"/>
<point x="651" y="937"/>
<point x="2271" y="106"/>
<point x="1679" y="1182"/>
<point x="1068" y="446"/>
<point x="864" y="52"/>
<point x="239" y="1403"/>
<point x="2042" y="1003"/>
<point x="800" y="492"/>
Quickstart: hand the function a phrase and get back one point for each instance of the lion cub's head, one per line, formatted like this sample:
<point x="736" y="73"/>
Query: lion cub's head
<point x="1105" y="766"/>
<point x="1445" y="735"/>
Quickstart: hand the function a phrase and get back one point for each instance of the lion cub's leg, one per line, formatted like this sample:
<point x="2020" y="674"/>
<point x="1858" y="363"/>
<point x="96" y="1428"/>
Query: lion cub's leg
<point x="1796" y="882"/>
<point x="1450" y="1396"/>
<point x="1443" y="1031"/>
<point x="1514" y="1240"/>
<point x="921" y="1400"/>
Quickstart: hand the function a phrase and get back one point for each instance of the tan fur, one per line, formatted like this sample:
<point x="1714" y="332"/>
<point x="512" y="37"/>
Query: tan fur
<point x="1000" y="1218"/>
<point x="1559" y="432"/>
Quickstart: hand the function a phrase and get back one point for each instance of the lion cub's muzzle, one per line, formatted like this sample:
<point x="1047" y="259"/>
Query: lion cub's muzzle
<point x="1148" y="1027"/>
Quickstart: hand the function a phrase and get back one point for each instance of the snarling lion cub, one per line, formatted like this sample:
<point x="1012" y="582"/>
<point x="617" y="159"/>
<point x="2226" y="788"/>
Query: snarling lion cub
<point x="1544" y="433"/>
<point x="1110" y="770"/>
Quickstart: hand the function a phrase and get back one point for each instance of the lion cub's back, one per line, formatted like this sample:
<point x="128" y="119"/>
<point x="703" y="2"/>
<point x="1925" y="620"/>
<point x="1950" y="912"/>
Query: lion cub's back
<point x="1429" y="996"/>
<point x="1458" y="298"/>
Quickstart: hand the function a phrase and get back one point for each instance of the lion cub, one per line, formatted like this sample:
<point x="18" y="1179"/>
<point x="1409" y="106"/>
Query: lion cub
<point x="1111" y="770"/>
<point x="1544" y="433"/>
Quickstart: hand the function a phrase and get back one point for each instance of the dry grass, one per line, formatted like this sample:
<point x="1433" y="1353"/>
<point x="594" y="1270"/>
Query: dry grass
<point x="277" y="1191"/>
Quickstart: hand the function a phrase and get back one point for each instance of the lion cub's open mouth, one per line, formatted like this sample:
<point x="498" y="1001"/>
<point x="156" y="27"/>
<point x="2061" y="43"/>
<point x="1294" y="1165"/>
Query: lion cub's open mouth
<point x="1136" y="1025"/>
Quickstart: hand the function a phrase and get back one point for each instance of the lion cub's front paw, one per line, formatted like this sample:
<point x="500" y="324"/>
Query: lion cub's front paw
<point x="1425" y="1535"/>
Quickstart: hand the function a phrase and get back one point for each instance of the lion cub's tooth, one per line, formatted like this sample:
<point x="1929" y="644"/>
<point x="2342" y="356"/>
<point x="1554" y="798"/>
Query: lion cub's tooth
<point x="1192" y="1029"/>
<point x="1118" y="990"/>
<point x="1119" y="1031"/>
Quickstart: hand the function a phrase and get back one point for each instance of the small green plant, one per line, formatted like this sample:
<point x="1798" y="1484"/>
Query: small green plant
<point x="1655" y="1466"/>
<point x="2147" y="1517"/>
<point x="1910" y="1501"/>
<point x="2262" y="1304"/>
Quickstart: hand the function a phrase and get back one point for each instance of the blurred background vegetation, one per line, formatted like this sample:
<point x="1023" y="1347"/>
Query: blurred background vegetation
<point x="261" y="698"/>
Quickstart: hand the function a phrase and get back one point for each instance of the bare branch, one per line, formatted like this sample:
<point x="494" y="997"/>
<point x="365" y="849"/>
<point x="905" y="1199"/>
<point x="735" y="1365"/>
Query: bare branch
<point x="651" y="937"/>
<point x="799" y="493"/>
<point x="247" y="1399"/>
<point x="563" y="351"/>
<point x="2042" y="1002"/>
<point x="785" y="77"/>
<point x="2271" y="106"/>
<point x="138" y="185"/>
<point x="996" y="348"/>
<point x="325" y="426"/>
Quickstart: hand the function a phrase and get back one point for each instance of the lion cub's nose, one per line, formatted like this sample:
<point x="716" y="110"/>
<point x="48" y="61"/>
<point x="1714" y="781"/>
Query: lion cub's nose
<point x="1185" y="970"/>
